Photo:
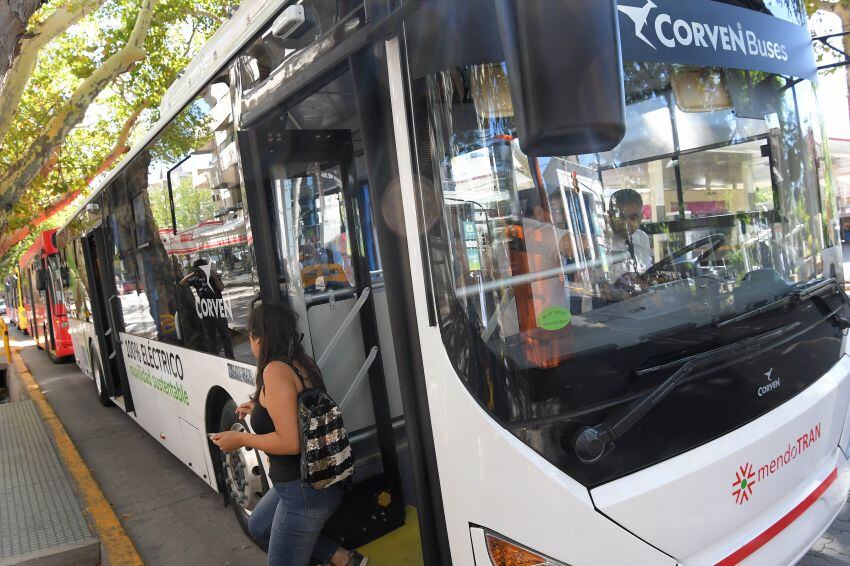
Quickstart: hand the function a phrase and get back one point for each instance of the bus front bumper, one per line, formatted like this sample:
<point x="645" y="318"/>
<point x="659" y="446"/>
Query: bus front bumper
<point x="786" y="530"/>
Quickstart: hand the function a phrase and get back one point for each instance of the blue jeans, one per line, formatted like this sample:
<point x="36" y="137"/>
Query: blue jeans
<point x="290" y="518"/>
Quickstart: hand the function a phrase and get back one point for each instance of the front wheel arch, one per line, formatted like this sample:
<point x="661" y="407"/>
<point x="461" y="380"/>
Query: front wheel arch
<point x="98" y="376"/>
<point x="219" y="408"/>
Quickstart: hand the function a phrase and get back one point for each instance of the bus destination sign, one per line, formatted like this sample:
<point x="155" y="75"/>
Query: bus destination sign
<point x="712" y="34"/>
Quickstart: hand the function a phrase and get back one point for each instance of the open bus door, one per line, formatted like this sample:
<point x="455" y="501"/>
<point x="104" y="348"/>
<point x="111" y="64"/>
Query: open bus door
<point x="108" y="320"/>
<point x="327" y="280"/>
<point x="309" y="184"/>
<point x="46" y="292"/>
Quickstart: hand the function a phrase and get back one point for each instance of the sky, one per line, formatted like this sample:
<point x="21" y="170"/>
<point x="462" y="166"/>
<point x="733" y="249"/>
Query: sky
<point x="832" y="88"/>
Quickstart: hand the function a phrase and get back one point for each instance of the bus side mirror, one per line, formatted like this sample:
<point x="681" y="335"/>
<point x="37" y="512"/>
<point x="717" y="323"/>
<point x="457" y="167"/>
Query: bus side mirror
<point x="565" y="72"/>
<point x="65" y="275"/>
<point x="39" y="280"/>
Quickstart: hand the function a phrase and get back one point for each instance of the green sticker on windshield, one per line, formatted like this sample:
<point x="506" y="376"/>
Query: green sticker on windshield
<point x="554" y="318"/>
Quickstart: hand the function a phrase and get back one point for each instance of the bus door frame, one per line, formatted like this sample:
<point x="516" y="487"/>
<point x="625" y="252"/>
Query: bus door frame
<point x="366" y="53"/>
<point x="336" y="147"/>
<point x="106" y="324"/>
<point x="32" y="267"/>
<point x="50" y="339"/>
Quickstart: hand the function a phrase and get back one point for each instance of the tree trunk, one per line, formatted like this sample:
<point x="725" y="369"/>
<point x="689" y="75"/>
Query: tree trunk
<point x="14" y="15"/>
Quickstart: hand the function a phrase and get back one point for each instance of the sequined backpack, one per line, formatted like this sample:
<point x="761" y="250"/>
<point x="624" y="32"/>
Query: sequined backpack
<point x="326" y="458"/>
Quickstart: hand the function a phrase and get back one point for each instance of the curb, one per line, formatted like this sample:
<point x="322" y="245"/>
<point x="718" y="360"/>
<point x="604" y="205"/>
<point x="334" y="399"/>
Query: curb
<point x="116" y="546"/>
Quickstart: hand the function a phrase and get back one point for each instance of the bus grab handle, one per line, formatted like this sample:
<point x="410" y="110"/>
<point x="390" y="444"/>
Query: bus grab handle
<point x="364" y="369"/>
<point x="344" y="326"/>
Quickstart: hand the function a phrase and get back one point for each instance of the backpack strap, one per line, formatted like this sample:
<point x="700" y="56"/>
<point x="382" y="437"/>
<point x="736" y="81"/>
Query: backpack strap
<point x="297" y="372"/>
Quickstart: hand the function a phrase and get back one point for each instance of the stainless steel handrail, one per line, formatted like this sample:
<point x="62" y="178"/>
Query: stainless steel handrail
<point x="344" y="326"/>
<point x="359" y="377"/>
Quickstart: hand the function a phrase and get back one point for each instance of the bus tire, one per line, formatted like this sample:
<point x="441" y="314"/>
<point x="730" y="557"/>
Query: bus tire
<point x="97" y="378"/>
<point x="244" y="478"/>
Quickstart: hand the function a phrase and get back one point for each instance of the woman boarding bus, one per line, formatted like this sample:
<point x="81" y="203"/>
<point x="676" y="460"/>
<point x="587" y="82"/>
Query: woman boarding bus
<point x="460" y="201"/>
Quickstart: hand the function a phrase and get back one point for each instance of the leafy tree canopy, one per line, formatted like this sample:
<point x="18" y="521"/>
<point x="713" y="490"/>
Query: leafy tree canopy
<point x="122" y="109"/>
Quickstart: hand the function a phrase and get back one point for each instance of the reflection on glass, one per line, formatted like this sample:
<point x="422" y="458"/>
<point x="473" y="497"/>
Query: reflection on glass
<point x="187" y="276"/>
<point x="314" y="204"/>
<point x="695" y="216"/>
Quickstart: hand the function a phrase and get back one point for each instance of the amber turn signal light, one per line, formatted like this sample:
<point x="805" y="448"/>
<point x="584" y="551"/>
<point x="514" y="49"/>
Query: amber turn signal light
<point x="506" y="553"/>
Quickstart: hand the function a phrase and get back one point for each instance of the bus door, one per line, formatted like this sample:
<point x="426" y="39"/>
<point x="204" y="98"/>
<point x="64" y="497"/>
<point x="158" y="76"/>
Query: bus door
<point x="107" y="316"/>
<point x="37" y="309"/>
<point x="47" y="300"/>
<point x="319" y="208"/>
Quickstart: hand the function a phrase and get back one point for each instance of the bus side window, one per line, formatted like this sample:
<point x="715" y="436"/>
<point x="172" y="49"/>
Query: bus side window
<point x="195" y="267"/>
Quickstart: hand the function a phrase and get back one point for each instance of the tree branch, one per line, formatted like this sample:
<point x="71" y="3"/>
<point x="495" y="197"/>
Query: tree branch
<point x="14" y="182"/>
<point x="33" y="216"/>
<point x="22" y="69"/>
<point x="120" y="148"/>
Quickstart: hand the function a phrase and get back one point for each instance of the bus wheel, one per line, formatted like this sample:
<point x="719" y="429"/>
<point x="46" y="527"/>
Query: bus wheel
<point x="97" y="373"/>
<point x="243" y="474"/>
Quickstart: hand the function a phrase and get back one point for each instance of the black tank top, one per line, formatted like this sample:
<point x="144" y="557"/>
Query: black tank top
<point x="281" y="468"/>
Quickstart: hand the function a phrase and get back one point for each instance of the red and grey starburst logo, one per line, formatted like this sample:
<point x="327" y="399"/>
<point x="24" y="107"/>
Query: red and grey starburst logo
<point x="744" y="482"/>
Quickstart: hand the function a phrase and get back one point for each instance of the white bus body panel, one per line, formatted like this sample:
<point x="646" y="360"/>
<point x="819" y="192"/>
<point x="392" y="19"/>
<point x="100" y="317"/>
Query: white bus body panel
<point x="487" y="476"/>
<point x="82" y="334"/>
<point x="685" y="506"/>
<point x="160" y="405"/>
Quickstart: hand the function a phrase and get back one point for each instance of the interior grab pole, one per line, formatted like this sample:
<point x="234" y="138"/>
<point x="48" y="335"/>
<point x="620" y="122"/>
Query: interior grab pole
<point x="364" y="369"/>
<point x="343" y="327"/>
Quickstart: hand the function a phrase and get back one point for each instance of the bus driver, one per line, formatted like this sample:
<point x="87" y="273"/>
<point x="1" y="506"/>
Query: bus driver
<point x="626" y="212"/>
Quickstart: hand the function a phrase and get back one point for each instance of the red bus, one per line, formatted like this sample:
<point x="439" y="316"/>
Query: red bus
<point x="43" y="277"/>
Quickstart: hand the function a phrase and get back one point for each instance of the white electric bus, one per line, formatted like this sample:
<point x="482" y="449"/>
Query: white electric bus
<point x="570" y="268"/>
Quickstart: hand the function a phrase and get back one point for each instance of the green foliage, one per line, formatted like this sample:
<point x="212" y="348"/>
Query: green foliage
<point x="179" y="29"/>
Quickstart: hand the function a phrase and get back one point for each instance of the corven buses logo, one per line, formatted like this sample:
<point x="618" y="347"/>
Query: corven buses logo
<point x="747" y="477"/>
<point x="673" y="33"/>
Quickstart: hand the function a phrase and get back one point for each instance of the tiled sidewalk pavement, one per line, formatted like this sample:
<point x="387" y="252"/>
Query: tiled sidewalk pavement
<point x="39" y="510"/>
<point x="834" y="546"/>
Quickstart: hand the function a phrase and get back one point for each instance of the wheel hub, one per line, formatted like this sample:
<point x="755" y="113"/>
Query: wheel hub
<point x="244" y="479"/>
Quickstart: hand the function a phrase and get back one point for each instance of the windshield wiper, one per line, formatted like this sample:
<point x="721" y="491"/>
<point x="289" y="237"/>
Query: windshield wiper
<point x="796" y="294"/>
<point x="592" y="443"/>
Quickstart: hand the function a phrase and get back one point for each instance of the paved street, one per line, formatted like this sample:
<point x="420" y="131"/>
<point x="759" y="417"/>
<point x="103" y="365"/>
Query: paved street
<point x="834" y="546"/>
<point x="170" y="514"/>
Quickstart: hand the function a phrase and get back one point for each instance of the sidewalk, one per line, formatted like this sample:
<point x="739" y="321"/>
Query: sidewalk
<point x="41" y="520"/>
<point x="172" y="517"/>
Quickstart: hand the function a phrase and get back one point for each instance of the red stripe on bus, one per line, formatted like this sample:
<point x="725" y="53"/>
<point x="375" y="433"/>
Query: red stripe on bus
<point x="780" y="525"/>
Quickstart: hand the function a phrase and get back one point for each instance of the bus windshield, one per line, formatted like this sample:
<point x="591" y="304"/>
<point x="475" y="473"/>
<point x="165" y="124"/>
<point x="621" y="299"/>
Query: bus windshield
<point x="696" y="216"/>
<point x="551" y="271"/>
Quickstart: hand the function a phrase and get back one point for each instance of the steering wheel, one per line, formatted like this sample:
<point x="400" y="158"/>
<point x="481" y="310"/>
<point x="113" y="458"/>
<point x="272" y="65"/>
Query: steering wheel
<point x="713" y="241"/>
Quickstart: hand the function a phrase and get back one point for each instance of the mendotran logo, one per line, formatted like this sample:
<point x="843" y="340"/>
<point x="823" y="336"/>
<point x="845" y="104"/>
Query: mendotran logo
<point x="743" y="484"/>
<point x="673" y="32"/>
<point x="748" y="475"/>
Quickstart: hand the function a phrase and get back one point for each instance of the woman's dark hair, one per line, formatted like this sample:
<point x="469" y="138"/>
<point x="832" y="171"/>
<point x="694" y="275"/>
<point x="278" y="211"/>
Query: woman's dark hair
<point x="275" y="326"/>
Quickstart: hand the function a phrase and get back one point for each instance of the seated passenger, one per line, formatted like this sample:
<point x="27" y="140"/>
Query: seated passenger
<point x="321" y="268"/>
